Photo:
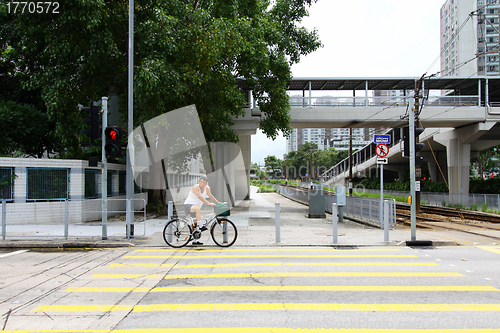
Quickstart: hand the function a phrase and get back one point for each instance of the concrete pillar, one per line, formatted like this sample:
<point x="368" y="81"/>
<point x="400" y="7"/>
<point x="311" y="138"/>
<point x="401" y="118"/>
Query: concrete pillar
<point x="458" y="156"/>
<point x="20" y="185"/>
<point x="243" y="188"/>
<point x="432" y="166"/>
<point x="458" y="152"/>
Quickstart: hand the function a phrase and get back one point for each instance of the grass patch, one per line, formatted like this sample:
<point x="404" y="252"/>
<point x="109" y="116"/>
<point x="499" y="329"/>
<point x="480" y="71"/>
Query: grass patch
<point x="266" y="189"/>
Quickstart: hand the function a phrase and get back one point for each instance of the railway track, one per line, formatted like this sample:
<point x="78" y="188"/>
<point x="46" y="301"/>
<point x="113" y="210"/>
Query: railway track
<point x="478" y="223"/>
<point x="450" y="212"/>
<point x="482" y="224"/>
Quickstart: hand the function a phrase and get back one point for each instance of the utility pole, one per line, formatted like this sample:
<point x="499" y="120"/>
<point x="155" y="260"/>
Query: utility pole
<point x="411" y="123"/>
<point x="350" y="162"/>
<point x="418" y="170"/>
<point x="311" y="162"/>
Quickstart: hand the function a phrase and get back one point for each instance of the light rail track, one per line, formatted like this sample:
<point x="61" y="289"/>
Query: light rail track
<point x="455" y="213"/>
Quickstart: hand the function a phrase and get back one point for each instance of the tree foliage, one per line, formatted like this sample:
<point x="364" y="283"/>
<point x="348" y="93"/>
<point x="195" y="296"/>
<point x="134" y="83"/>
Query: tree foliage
<point x="185" y="52"/>
<point x="486" y="161"/>
<point x="298" y="162"/>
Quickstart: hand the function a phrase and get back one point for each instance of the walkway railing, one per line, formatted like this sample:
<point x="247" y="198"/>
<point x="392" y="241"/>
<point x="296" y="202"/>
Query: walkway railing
<point x="63" y="220"/>
<point x="365" y="209"/>
<point x="474" y="201"/>
<point x="382" y="101"/>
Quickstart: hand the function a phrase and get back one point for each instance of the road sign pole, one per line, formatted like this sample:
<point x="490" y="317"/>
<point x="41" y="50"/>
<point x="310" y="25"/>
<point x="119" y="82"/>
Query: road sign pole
<point x="381" y="205"/>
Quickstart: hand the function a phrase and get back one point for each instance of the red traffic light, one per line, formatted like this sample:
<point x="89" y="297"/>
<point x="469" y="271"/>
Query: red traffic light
<point x="113" y="145"/>
<point x="113" y="134"/>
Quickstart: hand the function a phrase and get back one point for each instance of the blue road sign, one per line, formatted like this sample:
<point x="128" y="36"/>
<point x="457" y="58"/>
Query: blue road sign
<point x="385" y="138"/>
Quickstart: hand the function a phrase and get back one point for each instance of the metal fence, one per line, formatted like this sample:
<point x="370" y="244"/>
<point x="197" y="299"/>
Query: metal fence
<point x="6" y="183"/>
<point x="61" y="219"/>
<point x="366" y="209"/>
<point x="45" y="184"/>
<point x="92" y="181"/>
<point x="474" y="201"/>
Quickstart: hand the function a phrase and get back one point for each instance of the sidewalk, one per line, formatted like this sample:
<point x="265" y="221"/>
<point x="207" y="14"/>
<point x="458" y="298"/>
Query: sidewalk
<point x="255" y="220"/>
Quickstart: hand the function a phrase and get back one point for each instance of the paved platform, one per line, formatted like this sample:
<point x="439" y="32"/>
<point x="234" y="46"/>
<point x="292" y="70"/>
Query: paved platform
<point x="255" y="220"/>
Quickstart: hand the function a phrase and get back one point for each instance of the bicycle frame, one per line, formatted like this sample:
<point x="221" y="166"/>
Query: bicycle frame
<point x="222" y="230"/>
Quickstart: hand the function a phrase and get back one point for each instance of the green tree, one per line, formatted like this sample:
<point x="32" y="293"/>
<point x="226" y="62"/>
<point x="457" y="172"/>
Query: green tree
<point x="186" y="52"/>
<point x="298" y="162"/>
<point x="272" y="164"/>
<point x="24" y="130"/>
<point x="487" y="161"/>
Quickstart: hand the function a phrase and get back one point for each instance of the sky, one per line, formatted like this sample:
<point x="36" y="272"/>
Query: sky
<point x="365" y="38"/>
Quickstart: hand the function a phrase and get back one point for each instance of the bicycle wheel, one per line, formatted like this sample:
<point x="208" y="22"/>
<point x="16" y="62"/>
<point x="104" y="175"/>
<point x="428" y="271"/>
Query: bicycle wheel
<point x="179" y="233"/>
<point x="224" y="232"/>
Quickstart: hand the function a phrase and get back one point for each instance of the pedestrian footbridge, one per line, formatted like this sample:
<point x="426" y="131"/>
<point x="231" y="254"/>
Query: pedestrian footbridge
<point x="460" y="114"/>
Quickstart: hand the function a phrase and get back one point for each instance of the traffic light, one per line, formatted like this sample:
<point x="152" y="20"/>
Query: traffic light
<point x="113" y="145"/>
<point x="406" y="143"/>
<point x="92" y="121"/>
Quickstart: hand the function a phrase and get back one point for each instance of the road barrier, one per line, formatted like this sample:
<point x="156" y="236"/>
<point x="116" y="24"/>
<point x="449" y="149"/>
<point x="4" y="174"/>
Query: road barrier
<point x="58" y="220"/>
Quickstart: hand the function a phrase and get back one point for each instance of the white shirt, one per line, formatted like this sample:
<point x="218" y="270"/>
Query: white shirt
<point x="193" y="199"/>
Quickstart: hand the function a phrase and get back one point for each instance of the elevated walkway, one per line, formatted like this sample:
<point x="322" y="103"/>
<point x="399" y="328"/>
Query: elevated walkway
<point x="460" y="115"/>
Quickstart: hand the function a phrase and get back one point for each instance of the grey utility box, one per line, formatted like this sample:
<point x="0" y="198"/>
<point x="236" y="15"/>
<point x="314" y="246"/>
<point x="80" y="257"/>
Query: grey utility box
<point x="316" y="201"/>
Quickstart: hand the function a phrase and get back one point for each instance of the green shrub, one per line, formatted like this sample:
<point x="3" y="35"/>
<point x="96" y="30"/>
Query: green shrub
<point x="266" y="189"/>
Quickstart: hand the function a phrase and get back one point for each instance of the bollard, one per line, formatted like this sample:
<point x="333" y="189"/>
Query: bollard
<point x="335" y="222"/>
<point x="66" y="220"/>
<point x="170" y="212"/>
<point x="277" y="215"/>
<point x="386" y="220"/>
<point x="4" y="217"/>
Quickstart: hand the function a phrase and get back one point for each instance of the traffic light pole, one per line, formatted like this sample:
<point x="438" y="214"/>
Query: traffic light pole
<point x="104" y="182"/>
<point x="130" y="146"/>
<point x="411" y="121"/>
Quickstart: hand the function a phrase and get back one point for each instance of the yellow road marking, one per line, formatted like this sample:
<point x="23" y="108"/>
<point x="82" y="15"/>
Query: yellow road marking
<point x="269" y="307"/>
<point x="313" y="274"/>
<point x="59" y="331"/>
<point x="302" y="330"/>
<point x="324" y="249"/>
<point x="315" y="307"/>
<point x="310" y="264"/>
<point x="326" y="288"/>
<point x="108" y="289"/>
<point x="266" y="330"/>
<point x="279" y="256"/>
<point x="277" y="274"/>
<point x="140" y="265"/>
<point x="490" y="248"/>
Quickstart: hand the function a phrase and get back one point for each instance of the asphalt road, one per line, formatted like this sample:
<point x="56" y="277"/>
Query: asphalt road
<point x="252" y="289"/>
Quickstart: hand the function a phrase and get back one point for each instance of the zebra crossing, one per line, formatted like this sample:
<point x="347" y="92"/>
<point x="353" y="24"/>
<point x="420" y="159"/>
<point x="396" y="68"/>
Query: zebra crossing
<point x="281" y="290"/>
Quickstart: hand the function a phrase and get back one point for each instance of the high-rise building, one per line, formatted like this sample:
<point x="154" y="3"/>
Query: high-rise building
<point x="338" y="138"/>
<point x="470" y="44"/>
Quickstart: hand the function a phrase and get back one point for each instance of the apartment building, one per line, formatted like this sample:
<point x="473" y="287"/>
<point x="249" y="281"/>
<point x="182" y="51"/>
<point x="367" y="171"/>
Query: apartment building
<point x="470" y="37"/>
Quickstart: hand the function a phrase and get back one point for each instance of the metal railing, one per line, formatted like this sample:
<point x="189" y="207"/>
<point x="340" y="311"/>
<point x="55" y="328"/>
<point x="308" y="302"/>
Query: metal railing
<point x="473" y="201"/>
<point x="365" y="209"/>
<point x="381" y="101"/>
<point x="45" y="184"/>
<point x="61" y="220"/>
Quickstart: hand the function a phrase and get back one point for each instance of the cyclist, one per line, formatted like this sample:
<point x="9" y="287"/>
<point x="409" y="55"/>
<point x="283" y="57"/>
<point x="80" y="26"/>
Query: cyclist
<point x="196" y="199"/>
